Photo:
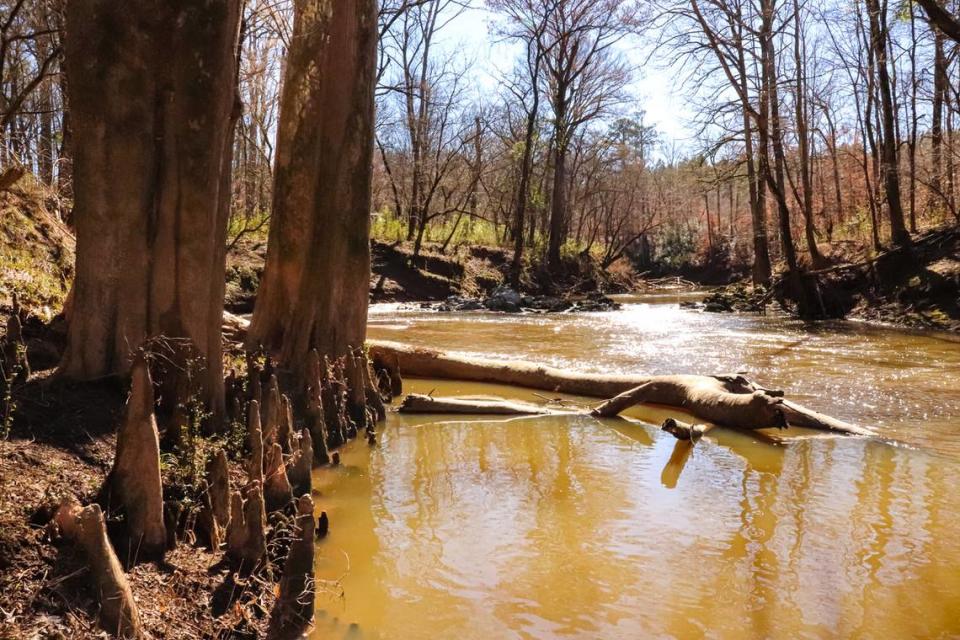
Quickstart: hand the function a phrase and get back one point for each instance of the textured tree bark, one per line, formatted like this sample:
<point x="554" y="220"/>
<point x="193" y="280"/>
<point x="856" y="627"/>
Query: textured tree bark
<point x="293" y="613"/>
<point x="523" y="190"/>
<point x="152" y="93"/>
<point x="118" y="610"/>
<point x="558" y="200"/>
<point x="936" y="122"/>
<point x="320" y="224"/>
<point x="134" y="484"/>
<point x="891" y="165"/>
<point x="941" y="18"/>
<point x="801" y="111"/>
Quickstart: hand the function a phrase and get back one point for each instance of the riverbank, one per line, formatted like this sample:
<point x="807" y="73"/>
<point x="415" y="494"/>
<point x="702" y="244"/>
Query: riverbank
<point x="915" y="288"/>
<point x="61" y="444"/>
<point x="467" y="272"/>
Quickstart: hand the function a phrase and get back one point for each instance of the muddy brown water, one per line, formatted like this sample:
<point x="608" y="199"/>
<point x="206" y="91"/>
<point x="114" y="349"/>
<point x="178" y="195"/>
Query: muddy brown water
<point x="569" y="527"/>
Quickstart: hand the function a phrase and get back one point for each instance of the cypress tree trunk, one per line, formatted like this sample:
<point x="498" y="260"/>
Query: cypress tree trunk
<point x="315" y="286"/>
<point x="153" y="101"/>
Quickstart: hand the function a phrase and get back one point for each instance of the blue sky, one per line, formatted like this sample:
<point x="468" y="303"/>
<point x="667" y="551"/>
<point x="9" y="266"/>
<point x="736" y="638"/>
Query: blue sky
<point x="658" y="91"/>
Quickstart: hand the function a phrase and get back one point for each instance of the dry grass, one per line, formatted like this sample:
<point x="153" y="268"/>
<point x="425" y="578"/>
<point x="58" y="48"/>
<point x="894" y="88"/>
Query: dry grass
<point x="36" y="250"/>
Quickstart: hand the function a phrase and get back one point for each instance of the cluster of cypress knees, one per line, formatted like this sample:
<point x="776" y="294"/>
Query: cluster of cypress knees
<point x="339" y="402"/>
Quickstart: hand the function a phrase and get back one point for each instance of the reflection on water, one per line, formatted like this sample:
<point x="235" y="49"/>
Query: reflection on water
<point x="568" y="527"/>
<point x="905" y="385"/>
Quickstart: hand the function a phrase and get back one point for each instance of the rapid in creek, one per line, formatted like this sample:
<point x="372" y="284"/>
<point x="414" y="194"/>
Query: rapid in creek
<point x="571" y="527"/>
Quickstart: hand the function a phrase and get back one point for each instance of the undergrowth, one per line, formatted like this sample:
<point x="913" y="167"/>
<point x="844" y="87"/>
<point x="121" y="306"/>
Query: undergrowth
<point x="8" y="379"/>
<point x="36" y="251"/>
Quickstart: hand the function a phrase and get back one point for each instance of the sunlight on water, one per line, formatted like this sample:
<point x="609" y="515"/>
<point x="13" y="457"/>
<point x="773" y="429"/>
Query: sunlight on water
<point x="568" y="527"/>
<point x="905" y="385"/>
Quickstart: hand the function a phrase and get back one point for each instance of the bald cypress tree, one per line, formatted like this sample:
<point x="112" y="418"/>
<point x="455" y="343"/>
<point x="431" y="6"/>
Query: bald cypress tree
<point x="315" y="286"/>
<point x="152" y="91"/>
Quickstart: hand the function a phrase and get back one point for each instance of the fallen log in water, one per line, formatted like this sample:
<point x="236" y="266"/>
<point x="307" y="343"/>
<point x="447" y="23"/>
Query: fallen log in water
<point x="729" y="400"/>
<point x="419" y="403"/>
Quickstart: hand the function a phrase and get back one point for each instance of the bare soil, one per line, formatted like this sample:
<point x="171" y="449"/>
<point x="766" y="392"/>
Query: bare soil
<point x="62" y="443"/>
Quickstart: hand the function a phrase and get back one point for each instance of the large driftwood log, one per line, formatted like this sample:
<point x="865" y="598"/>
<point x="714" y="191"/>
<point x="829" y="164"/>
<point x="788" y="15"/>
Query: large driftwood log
<point x="727" y="400"/>
<point x="293" y="612"/>
<point x="134" y="483"/>
<point x="419" y="362"/>
<point x="86" y="527"/>
<point x="707" y="397"/>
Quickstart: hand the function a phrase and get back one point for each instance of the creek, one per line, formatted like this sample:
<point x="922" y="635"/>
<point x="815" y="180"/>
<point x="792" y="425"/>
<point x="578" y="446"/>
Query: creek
<point x="571" y="527"/>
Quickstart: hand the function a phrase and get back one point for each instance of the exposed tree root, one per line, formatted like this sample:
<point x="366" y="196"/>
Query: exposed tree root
<point x="277" y="492"/>
<point x="214" y="517"/>
<point x="300" y="466"/>
<point x="86" y="527"/>
<point x="246" y="535"/>
<point x="254" y="443"/>
<point x="133" y="484"/>
<point x="293" y="612"/>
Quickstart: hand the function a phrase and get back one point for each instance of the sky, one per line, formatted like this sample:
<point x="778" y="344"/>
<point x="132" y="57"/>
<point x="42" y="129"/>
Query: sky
<point x="657" y="91"/>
